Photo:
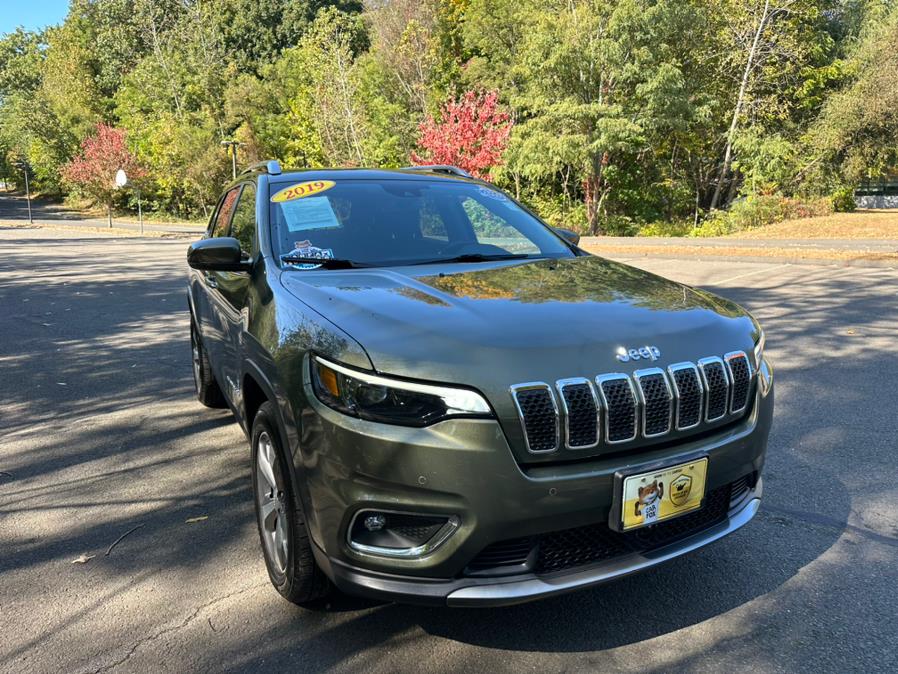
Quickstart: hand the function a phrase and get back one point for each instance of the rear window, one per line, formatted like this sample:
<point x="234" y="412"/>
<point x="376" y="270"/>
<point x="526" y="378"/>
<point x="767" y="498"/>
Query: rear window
<point x="391" y="222"/>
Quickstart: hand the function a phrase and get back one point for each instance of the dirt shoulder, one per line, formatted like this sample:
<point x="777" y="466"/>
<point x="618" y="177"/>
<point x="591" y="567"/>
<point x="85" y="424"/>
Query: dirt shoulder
<point x="862" y="238"/>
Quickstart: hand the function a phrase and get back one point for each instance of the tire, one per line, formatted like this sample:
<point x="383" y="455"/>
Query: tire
<point x="207" y="390"/>
<point x="280" y="519"/>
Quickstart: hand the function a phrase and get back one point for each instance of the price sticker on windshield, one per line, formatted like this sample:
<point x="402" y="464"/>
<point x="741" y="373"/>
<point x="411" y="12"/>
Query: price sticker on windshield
<point x="302" y="190"/>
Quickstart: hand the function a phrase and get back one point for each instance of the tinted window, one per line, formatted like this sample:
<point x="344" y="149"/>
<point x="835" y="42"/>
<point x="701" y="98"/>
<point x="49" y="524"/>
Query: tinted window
<point x="223" y="217"/>
<point x="243" y="225"/>
<point x="391" y="222"/>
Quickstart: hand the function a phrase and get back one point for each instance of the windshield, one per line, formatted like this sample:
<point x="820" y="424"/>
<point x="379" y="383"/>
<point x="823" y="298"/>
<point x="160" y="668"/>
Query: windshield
<point x="395" y="222"/>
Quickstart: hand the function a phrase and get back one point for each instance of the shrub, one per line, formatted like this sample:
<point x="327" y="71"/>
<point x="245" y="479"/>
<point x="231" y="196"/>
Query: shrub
<point x="808" y="208"/>
<point x="717" y="224"/>
<point x="662" y="228"/>
<point x="618" y="225"/>
<point x="842" y="200"/>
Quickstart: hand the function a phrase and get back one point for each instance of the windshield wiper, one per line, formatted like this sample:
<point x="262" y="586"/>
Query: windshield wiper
<point x="326" y="262"/>
<point x="475" y="257"/>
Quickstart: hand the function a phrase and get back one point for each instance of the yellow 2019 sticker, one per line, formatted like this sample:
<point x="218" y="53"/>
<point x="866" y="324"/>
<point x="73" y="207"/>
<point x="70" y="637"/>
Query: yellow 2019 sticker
<point x="300" y="190"/>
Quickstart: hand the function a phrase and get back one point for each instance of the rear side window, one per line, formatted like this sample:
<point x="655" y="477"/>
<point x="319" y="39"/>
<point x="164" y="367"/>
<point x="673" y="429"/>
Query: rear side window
<point x="243" y="225"/>
<point x="223" y="217"/>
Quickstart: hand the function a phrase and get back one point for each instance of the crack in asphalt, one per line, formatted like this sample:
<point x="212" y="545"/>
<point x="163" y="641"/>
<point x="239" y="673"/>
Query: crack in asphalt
<point x="184" y="623"/>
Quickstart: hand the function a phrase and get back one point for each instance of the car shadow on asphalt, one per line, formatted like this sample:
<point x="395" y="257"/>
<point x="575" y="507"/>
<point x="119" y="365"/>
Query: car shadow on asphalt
<point x="758" y="571"/>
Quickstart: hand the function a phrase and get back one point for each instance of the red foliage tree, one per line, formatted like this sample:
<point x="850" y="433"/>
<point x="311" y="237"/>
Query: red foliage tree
<point x="472" y="133"/>
<point x="102" y="155"/>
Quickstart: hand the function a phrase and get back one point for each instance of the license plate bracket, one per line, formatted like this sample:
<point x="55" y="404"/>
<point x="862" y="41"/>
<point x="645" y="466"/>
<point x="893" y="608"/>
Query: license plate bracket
<point x="658" y="493"/>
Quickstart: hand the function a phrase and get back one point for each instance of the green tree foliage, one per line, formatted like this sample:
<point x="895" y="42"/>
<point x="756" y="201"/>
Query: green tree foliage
<point x="854" y="138"/>
<point x="624" y="112"/>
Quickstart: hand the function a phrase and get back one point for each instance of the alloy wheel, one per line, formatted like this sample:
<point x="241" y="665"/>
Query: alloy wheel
<point x="271" y="502"/>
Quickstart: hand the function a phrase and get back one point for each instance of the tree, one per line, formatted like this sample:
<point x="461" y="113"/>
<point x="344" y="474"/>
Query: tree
<point x="853" y="139"/>
<point x="93" y="170"/>
<point x="472" y="133"/>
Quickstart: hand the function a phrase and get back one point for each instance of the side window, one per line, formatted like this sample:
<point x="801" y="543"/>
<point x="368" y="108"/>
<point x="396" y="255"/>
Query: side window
<point x="492" y="229"/>
<point x="223" y="217"/>
<point x="243" y="226"/>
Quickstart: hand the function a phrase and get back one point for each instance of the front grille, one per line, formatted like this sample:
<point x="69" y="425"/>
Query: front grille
<point x="513" y="552"/>
<point x="581" y="413"/>
<point x="620" y="407"/>
<point x="740" y="376"/>
<point x="688" y="390"/>
<point x="679" y="398"/>
<point x="570" y="548"/>
<point x="656" y="402"/>
<point x="717" y="388"/>
<point x="537" y="409"/>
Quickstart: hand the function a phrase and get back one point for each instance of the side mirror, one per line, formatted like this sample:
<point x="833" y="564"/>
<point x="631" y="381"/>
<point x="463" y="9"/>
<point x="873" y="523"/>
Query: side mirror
<point x="568" y="234"/>
<point x="219" y="254"/>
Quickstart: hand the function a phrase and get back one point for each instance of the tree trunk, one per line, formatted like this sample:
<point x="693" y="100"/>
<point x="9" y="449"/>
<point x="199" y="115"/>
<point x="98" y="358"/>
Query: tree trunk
<point x="109" y="214"/>
<point x="740" y="99"/>
<point x="591" y="191"/>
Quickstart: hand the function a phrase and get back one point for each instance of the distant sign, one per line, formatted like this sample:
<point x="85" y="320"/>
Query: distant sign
<point x="121" y="178"/>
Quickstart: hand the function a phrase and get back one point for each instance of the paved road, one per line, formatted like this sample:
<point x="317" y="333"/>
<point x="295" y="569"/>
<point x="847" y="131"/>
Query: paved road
<point x="99" y="433"/>
<point x="14" y="207"/>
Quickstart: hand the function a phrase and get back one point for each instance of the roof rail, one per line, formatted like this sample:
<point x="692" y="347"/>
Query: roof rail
<point x="440" y="168"/>
<point x="270" y="166"/>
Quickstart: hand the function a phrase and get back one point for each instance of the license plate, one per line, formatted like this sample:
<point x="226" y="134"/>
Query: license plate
<point x="661" y="494"/>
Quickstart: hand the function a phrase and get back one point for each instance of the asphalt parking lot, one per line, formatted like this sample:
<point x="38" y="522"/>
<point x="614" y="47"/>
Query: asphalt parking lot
<point x="100" y="433"/>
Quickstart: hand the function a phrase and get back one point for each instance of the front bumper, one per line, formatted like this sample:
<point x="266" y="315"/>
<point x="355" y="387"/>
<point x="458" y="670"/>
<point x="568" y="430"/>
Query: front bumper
<point x="464" y="468"/>
<point x="470" y="592"/>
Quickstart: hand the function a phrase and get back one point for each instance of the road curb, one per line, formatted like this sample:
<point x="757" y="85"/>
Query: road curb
<point x="772" y="259"/>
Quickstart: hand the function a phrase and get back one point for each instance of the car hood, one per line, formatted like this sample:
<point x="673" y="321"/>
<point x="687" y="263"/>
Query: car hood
<point x="493" y="325"/>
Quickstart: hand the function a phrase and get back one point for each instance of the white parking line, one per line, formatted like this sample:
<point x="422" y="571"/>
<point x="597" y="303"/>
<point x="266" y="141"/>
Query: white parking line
<point x="753" y="273"/>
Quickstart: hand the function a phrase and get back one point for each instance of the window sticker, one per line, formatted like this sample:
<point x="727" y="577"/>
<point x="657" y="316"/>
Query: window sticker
<point x="302" y="190"/>
<point x="305" y="249"/>
<point x="311" y="213"/>
<point x="492" y="194"/>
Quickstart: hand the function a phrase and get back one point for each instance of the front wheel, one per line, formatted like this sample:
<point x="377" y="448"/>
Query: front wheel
<point x="279" y="516"/>
<point x="207" y="389"/>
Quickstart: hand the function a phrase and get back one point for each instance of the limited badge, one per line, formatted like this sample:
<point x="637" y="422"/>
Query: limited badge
<point x="679" y="490"/>
<point x="301" y="190"/>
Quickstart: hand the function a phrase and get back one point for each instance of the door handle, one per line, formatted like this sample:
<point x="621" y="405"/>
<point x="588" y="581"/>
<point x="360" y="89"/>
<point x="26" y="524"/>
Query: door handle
<point x="210" y="280"/>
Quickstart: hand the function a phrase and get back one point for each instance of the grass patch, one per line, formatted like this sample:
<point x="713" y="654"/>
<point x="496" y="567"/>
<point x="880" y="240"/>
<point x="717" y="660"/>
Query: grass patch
<point x="861" y="224"/>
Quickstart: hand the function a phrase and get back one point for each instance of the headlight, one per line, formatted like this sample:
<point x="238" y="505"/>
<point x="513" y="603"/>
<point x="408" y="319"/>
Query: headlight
<point x="391" y="401"/>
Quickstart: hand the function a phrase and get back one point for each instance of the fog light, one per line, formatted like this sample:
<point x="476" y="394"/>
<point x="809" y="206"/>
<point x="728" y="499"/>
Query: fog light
<point x="375" y="522"/>
<point x="393" y="534"/>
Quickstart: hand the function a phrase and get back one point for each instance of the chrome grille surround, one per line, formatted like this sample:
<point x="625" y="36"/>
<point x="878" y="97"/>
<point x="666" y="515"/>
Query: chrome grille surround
<point x="528" y="390"/>
<point x="739" y="371"/>
<point x="620" y="407"/>
<point x="651" y="403"/>
<point x="681" y="376"/>
<point x="566" y="385"/>
<point x="614" y="399"/>
<point x="714" y="376"/>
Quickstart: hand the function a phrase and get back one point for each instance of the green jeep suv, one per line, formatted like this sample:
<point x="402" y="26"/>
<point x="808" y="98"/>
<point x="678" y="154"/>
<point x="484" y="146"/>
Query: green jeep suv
<point x="448" y="402"/>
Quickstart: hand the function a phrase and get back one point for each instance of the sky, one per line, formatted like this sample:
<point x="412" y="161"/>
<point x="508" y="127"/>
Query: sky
<point x="32" y="14"/>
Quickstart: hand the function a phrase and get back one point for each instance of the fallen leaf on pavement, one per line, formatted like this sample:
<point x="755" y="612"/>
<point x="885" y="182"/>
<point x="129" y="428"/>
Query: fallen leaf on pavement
<point x="83" y="559"/>
<point x="191" y="520"/>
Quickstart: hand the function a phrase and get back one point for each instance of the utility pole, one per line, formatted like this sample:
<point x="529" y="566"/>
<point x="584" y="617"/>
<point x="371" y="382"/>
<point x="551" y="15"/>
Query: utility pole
<point x="22" y="164"/>
<point x="232" y="146"/>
